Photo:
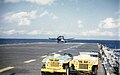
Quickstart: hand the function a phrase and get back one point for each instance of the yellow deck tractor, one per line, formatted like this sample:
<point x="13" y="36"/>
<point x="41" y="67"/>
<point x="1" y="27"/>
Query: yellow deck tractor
<point x="86" y="63"/>
<point x="56" y="63"/>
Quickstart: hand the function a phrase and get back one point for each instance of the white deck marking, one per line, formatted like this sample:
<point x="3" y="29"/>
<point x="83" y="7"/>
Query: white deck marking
<point x="70" y="48"/>
<point x="60" y="51"/>
<point x="5" y="69"/>
<point x="29" y="61"/>
<point x="64" y="49"/>
<point x="53" y="53"/>
<point x="43" y="56"/>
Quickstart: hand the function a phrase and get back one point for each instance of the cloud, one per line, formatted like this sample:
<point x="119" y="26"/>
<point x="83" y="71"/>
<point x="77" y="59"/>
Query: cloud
<point x="88" y="33"/>
<point x="109" y="23"/>
<point x="38" y="32"/>
<point x="97" y="32"/>
<point x="54" y="17"/>
<point x="10" y="32"/>
<point x="13" y="31"/>
<point x="24" y="18"/>
<point x="44" y="13"/>
<point x="79" y="23"/>
<point x="49" y="14"/>
<point x="34" y="32"/>
<point x="21" y="18"/>
<point x="10" y="1"/>
<point x="42" y="2"/>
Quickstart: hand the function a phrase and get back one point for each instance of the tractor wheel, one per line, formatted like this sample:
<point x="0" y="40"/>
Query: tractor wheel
<point x="95" y="70"/>
<point x="66" y="66"/>
<point x="43" y="73"/>
<point x="73" y="67"/>
<point x="87" y="74"/>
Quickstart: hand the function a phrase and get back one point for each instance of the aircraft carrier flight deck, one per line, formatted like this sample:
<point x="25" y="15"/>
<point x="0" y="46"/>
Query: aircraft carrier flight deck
<point x="26" y="59"/>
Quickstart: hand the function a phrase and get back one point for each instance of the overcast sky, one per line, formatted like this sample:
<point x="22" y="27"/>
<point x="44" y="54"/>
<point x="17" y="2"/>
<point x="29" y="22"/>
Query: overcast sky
<point x="83" y="19"/>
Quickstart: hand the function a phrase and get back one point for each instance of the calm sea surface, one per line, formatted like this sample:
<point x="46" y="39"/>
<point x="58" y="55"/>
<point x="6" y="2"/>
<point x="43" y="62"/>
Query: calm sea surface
<point x="114" y="44"/>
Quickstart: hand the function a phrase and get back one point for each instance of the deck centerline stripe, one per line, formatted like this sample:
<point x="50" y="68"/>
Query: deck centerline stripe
<point x="63" y="50"/>
<point x="43" y="56"/>
<point x="29" y="61"/>
<point x="6" y="69"/>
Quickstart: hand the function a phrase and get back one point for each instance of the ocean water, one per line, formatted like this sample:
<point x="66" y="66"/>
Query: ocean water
<point x="114" y="44"/>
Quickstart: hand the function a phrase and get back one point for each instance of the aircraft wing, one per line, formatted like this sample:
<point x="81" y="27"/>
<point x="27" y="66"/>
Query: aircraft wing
<point x="69" y="39"/>
<point x="65" y="39"/>
<point x="53" y="38"/>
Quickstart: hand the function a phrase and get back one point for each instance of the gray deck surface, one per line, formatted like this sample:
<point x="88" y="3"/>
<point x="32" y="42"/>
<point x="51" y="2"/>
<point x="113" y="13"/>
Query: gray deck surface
<point x="17" y="55"/>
